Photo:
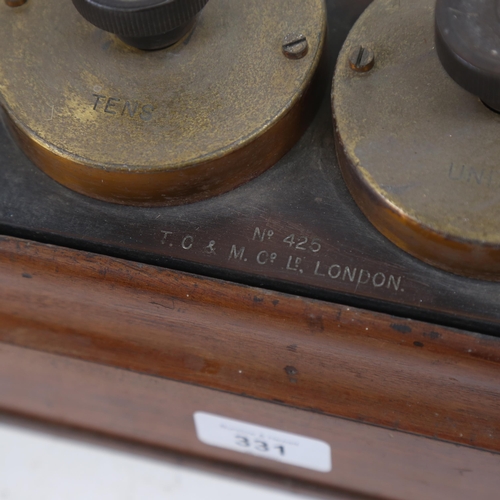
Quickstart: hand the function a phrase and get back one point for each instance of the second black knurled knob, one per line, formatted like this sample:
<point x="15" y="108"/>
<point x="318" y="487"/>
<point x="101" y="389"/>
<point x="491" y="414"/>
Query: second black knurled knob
<point x="145" y="24"/>
<point x="468" y="45"/>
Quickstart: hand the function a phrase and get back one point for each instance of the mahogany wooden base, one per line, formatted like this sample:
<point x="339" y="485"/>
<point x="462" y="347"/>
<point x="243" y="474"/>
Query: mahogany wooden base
<point x="410" y="410"/>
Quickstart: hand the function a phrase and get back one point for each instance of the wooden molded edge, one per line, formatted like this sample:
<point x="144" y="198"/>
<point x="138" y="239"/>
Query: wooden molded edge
<point x="332" y="359"/>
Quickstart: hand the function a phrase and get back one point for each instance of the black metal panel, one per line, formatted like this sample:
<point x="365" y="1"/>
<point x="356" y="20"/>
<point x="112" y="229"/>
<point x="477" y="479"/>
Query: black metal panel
<point x="246" y="235"/>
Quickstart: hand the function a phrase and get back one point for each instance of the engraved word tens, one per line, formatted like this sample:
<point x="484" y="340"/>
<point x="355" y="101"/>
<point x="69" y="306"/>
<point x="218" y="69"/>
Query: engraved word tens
<point x="121" y="107"/>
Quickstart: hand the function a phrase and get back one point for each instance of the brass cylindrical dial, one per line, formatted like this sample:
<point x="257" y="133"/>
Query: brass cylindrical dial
<point x="169" y="126"/>
<point x="420" y="152"/>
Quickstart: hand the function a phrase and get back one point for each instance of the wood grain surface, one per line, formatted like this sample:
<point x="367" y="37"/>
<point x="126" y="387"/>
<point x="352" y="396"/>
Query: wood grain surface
<point x="330" y="359"/>
<point x="366" y="459"/>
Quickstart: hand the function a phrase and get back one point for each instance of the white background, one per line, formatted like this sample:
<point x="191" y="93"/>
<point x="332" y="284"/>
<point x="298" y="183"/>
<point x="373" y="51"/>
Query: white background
<point x="39" y="466"/>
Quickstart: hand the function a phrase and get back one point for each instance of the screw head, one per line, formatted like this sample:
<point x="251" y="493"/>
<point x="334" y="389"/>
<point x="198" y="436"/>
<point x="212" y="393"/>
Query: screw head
<point x="295" y="46"/>
<point x="362" y="59"/>
<point x="15" y="3"/>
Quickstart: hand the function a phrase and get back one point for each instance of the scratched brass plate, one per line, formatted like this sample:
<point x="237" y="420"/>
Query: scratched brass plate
<point x="164" y="127"/>
<point x="419" y="153"/>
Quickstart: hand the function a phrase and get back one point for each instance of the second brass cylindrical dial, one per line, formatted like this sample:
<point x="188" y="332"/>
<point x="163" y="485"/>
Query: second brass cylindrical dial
<point x="418" y="151"/>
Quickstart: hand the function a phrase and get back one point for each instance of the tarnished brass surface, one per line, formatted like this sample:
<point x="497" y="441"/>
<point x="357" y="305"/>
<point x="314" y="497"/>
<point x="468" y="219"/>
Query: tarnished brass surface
<point x="419" y="153"/>
<point x="164" y="127"/>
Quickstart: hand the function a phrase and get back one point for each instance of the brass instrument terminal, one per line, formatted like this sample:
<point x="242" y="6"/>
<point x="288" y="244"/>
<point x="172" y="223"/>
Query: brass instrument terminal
<point x="159" y="127"/>
<point x="418" y="151"/>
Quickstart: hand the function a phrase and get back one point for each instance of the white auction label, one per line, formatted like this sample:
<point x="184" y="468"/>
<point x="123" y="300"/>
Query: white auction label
<point x="263" y="442"/>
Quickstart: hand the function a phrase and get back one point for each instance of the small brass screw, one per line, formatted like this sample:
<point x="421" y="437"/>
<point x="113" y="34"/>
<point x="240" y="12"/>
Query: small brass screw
<point x="295" y="46"/>
<point x="15" y="3"/>
<point x="362" y="59"/>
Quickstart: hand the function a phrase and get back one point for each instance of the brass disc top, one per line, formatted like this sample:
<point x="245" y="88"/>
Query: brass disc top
<point x="419" y="153"/>
<point x="168" y="126"/>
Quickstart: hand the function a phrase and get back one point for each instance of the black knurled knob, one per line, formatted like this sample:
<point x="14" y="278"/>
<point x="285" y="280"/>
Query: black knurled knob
<point x="145" y="24"/>
<point x="468" y="45"/>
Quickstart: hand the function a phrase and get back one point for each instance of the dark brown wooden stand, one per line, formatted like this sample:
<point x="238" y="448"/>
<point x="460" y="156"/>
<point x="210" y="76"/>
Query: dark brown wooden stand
<point x="410" y="410"/>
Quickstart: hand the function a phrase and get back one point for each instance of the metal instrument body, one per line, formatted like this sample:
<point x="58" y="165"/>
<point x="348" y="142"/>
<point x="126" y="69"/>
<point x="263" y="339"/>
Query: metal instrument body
<point x="303" y="195"/>
<point x="132" y="347"/>
<point x="162" y="127"/>
<point x="418" y="151"/>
